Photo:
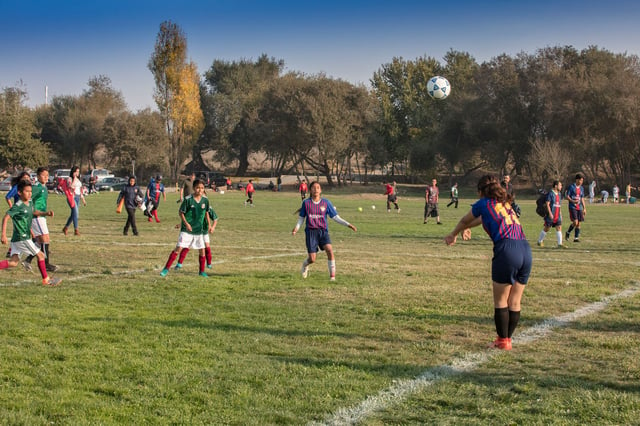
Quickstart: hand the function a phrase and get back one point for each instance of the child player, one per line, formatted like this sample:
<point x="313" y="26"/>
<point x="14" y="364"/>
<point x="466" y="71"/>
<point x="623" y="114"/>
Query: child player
<point x="212" y="219"/>
<point x="315" y="210"/>
<point x="21" y="214"/>
<point x="553" y="219"/>
<point x="193" y="216"/>
<point x="39" y="229"/>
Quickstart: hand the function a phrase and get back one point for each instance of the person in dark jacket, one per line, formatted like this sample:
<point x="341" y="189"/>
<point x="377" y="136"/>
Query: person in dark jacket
<point x="133" y="198"/>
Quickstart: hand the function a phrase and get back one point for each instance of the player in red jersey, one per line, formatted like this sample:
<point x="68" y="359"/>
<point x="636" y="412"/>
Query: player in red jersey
<point x="249" y="190"/>
<point x="392" y="196"/>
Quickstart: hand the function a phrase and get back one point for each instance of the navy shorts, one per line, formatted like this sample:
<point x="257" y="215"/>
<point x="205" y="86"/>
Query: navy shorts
<point x="316" y="239"/>
<point x="576" y="215"/>
<point x="548" y="222"/>
<point x="511" y="262"/>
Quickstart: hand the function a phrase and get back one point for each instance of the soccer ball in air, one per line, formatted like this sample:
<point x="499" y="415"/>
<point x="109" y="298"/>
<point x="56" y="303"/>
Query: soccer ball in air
<point x="438" y="87"/>
<point x="359" y="209"/>
<point x="373" y="207"/>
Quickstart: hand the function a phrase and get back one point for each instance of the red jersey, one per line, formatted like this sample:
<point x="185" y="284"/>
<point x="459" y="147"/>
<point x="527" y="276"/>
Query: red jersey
<point x="388" y="190"/>
<point x="249" y="188"/>
<point x="303" y="187"/>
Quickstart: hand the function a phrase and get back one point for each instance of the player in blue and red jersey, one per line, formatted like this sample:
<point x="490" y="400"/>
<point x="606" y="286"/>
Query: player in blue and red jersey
<point x="511" y="263"/>
<point x="577" y="208"/>
<point x="315" y="210"/>
<point x="155" y="188"/>
<point x="553" y="219"/>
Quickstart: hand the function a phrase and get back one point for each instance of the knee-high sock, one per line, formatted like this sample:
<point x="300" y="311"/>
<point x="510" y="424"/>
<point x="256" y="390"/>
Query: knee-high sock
<point x="172" y="257"/>
<point x="207" y="254"/>
<point x="332" y="268"/>
<point x="183" y="255"/>
<point x="202" y="263"/>
<point x="4" y="264"/>
<point x="514" y="317"/>
<point x="501" y="318"/>
<point x="43" y="268"/>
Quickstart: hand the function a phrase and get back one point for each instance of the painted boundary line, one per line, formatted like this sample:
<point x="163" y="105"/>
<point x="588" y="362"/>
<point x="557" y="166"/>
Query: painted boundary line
<point x="402" y="389"/>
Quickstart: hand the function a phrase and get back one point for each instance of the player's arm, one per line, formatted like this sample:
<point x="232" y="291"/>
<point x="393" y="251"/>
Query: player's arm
<point x="39" y="213"/>
<point x="343" y="222"/>
<point x="187" y="225"/>
<point x="5" y="219"/>
<point x="548" y="204"/>
<point x="467" y="221"/>
<point x="298" y="224"/>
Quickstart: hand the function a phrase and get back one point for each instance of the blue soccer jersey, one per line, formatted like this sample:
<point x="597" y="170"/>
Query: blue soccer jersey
<point x="316" y="213"/>
<point x="575" y="195"/>
<point x="498" y="220"/>
<point x="554" y="200"/>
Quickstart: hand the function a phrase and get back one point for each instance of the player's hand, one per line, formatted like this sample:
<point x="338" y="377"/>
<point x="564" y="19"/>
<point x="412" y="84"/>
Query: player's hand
<point x="294" y="231"/>
<point x="4" y="239"/>
<point x="466" y="234"/>
<point x="50" y="213"/>
<point x="188" y="227"/>
<point x="353" y="227"/>
<point x="450" y="239"/>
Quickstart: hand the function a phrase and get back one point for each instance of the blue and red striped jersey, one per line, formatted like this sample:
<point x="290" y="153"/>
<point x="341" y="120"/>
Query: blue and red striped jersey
<point x="498" y="220"/>
<point x="316" y="213"/>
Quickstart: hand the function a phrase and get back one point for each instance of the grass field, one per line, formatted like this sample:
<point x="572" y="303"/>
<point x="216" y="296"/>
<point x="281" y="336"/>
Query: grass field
<point x="399" y="338"/>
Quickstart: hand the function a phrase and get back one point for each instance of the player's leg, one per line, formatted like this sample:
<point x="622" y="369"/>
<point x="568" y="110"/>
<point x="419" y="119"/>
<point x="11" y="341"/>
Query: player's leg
<point x="331" y="261"/>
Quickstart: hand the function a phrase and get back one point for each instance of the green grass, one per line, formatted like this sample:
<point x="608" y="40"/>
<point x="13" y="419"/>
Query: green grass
<point x="257" y="344"/>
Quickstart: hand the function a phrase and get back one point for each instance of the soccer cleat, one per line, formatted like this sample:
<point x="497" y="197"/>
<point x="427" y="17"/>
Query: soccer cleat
<point x="209" y="266"/>
<point x="149" y="220"/>
<point x="388" y="210"/>
<point x="398" y="210"/>
<point x="51" y="267"/>
<point x="503" y="343"/>
<point x="203" y="274"/>
<point x="27" y="266"/>
<point x="567" y="236"/>
<point x="332" y="278"/>
<point x="561" y="246"/>
<point x="305" y="271"/>
<point x="51" y="282"/>
<point x="424" y="223"/>
<point x="178" y="266"/>
<point x="540" y="243"/>
<point x="439" y="223"/>
<point x="164" y="272"/>
<point x="64" y="230"/>
<point x="576" y="240"/>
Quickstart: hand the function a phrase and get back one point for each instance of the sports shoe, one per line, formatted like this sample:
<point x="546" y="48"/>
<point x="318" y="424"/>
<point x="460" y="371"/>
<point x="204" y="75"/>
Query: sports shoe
<point x="51" y="267"/>
<point x="501" y="343"/>
<point x="51" y="282"/>
<point x="398" y="210"/>
<point x="209" y="266"/>
<point x="576" y="240"/>
<point x="567" y="236"/>
<point x="561" y="246"/>
<point x="388" y="210"/>
<point x="27" y="266"/>
<point x="332" y="278"/>
<point x="540" y="243"/>
<point x="305" y="271"/>
<point x="164" y="272"/>
<point x="424" y="223"/>
<point x="178" y="266"/>
<point x="439" y="223"/>
<point x="65" y="230"/>
<point x="203" y="274"/>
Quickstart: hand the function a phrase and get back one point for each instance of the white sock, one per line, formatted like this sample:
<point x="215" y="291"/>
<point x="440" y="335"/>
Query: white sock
<point x="542" y="235"/>
<point x="332" y="268"/>
<point x="305" y="263"/>
<point x="559" y="237"/>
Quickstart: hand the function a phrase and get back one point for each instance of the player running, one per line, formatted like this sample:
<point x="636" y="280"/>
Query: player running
<point x="315" y="210"/>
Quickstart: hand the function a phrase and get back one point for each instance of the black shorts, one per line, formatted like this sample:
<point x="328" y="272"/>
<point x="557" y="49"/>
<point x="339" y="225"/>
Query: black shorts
<point x="431" y="210"/>
<point x="576" y="215"/>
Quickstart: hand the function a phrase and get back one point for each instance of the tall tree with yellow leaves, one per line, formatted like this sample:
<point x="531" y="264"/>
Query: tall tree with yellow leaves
<point x="177" y="93"/>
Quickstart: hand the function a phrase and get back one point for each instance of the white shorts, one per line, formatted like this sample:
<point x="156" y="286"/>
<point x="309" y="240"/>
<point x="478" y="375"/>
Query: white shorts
<point x="39" y="226"/>
<point x="206" y="239"/>
<point x="24" y="248"/>
<point x="190" y="241"/>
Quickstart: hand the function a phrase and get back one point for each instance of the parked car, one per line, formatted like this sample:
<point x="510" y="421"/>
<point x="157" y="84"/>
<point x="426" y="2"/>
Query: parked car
<point x="99" y="174"/>
<point x="212" y="179"/>
<point x="5" y="185"/>
<point x="111" y="184"/>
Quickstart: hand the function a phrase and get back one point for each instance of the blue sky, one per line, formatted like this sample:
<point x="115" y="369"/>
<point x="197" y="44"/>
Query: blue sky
<point x="62" y="44"/>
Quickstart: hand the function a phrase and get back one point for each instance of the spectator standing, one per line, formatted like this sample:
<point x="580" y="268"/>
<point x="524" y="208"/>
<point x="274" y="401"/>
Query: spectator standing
<point x="431" y="198"/>
<point x="592" y="191"/>
<point x="133" y="197"/>
<point x="74" y="187"/>
<point x="616" y="193"/>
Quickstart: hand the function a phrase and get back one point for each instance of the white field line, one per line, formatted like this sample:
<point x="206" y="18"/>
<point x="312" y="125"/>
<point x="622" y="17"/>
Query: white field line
<point x="402" y="389"/>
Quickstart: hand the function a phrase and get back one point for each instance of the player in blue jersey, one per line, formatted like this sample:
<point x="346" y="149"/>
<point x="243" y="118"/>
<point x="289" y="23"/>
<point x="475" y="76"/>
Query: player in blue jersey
<point x="511" y="263"/>
<point x="577" y="208"/>
<point x="553" y="219"/>
<point x="315" y="210"/>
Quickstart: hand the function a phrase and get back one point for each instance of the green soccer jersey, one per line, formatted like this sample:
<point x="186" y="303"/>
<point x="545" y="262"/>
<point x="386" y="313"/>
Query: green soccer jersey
<point x="21" y="215"/>
<point x="195" y="213"/>
<point x="213" y="216"/>
<point x="39" y="197"/>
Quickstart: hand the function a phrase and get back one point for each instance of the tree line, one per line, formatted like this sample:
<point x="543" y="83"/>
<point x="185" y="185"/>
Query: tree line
<point x="544" y="115"/>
